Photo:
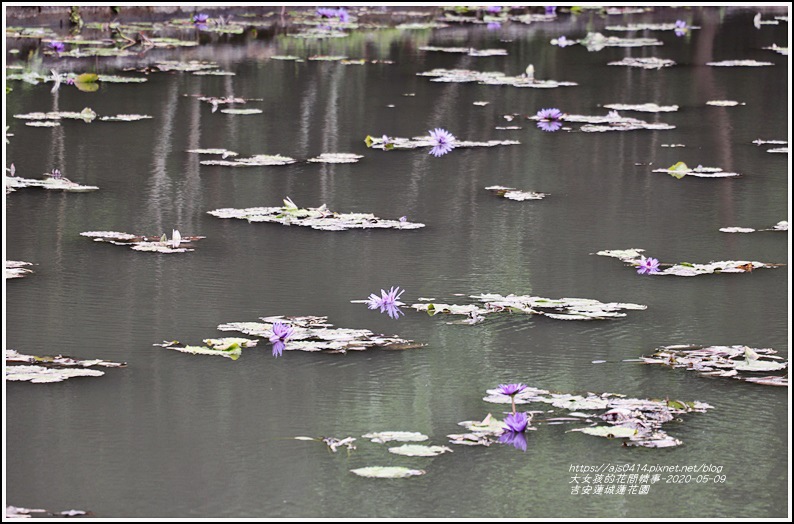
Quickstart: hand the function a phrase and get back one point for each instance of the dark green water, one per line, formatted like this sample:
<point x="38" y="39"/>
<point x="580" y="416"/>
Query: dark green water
<point x="175" y="435"/>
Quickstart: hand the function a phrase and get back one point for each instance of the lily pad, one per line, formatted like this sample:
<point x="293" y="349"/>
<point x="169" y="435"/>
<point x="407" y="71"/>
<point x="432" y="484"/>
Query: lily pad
<point x="723" y="103"/>
<point x="87" y="115"/>
<point x="124" y="118"/>
<point x="223" y="152"/>
<point x="512" y="193"/>
<point x="425" y="141"/>
<point x="48" y="182"/>
<point x="644" y="63"/>
<point x="612" y="121"/>
<point x="337" y="158"/>
<point x="143" y="243"/>
<point x="645" y="108"/>
<point x="639" y="420"/>
<point x="647" y="27"/>
<point x="316" y="334"/>
<point x="17" y="269"/>
<point x="387" y="472"/>
<point x="41" y="374"/>
<point x="608" y="431"/>
<point x="241" y="111"/>
<point x="780" y="226"/>
<point x="382" y="437"/>
<point x="43" y="123"/>
<point x="231" y="347"/>
<point x="59" y="361"/>
<point x="256" y="160"/>
<point x="722" y="361"/>
<point x="314" y="217"/>
<point x="416" y="450"/>
<point x="465" y="50"/>
<point x="739" y="63"/>
<point x="490" y="78"/>
<point x="687" y="269"/>
<point x="680" y="170"/>
<point x="116" y="79"/>
<point x="561" y="309"/>
<point x="597" y="42"/>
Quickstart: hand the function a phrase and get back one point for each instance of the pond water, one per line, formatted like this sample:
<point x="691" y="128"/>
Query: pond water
<point x="193" y="436"/>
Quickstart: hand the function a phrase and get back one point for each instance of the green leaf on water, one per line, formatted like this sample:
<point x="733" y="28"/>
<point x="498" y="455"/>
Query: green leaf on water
<point x="368" y="141"/>
<point x="608" y="431"/>
<point x="87" y="78"/>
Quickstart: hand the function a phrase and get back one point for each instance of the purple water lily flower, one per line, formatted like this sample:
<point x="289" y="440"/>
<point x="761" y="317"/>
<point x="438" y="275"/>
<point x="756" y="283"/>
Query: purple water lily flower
<point x="494" y="9"/>
<point x="281" y="332"/>
<point x="681" y="28"/>
<point x="551" y="9"/>
<point x="343" y="15"/>
<point x="515" y="438"/>
<point x="517" y="422"/>
<point x="443" y="141"/>
<point x="511" y="389"/>
<point x="200" y="18"/>
<point x="648" y="266"/>
<point x="326" y="12"/>
<point x="550" y="114"/>
<point x="57" y="47"/>
<point x="387" y="302"/>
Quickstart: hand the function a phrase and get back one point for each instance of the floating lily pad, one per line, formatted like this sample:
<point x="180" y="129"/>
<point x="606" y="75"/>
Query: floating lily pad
<point x="190" y="66"/>
<point x="116" y="79"/>
<point x="739" y="63"/>
<point x="608" y="431"/>
<point x="425" y="141"/>
<point x="230" y="347"/>
<point x="465" y="50"/>
<point x="777" y="49"/>
<point x="723" y="361"/>
<point x="780" y="226"/>
<point x="644" y="63"/>
<point x="723" y="103"/>
<point x="143" y="243"/>
<point x="48" y="182"/>
<point x="15" y="512"/>
<point x="490" y="78"/>
<point x="597" y="42"/>
<point x="612" y="121"/>
<point x="40" y="374"/>
<point x="382" y="437"/>
<point x="337" y="158"/>
<point x="647" y="27"/>
<point x="256" y="160"/>
<point x="316" y="334"/>
<point x="645" y="108"/>
<point x="314" y="217"/>
<point x="236" y="111"/>
<point x="512" y="193"/>
<point x="286" y="57"/>
<point x="386" y="472"/>
<point x="560" y="309"/>
<point x="778" y="150"/>
<point x="414" y="26"/>
<point x="43" y="123"/>
<point x="416" y="450"/>
<point x="124" y="118"/>
<point x="687" y="269"/>
<point x="17" y="269"/>
<point x="59" y="361"/>
<point x="639" y="420"/>
<point x="223" y="152"/>
<point x="86" y="115"/>
<point x="680" y="170"/>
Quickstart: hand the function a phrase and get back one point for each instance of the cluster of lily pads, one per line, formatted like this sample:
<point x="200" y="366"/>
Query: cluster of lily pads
<point x="634" y="257"/>
<point x="47" y="369"/>
<point x="738" y="362"/>
<point x="154" y="244"/>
